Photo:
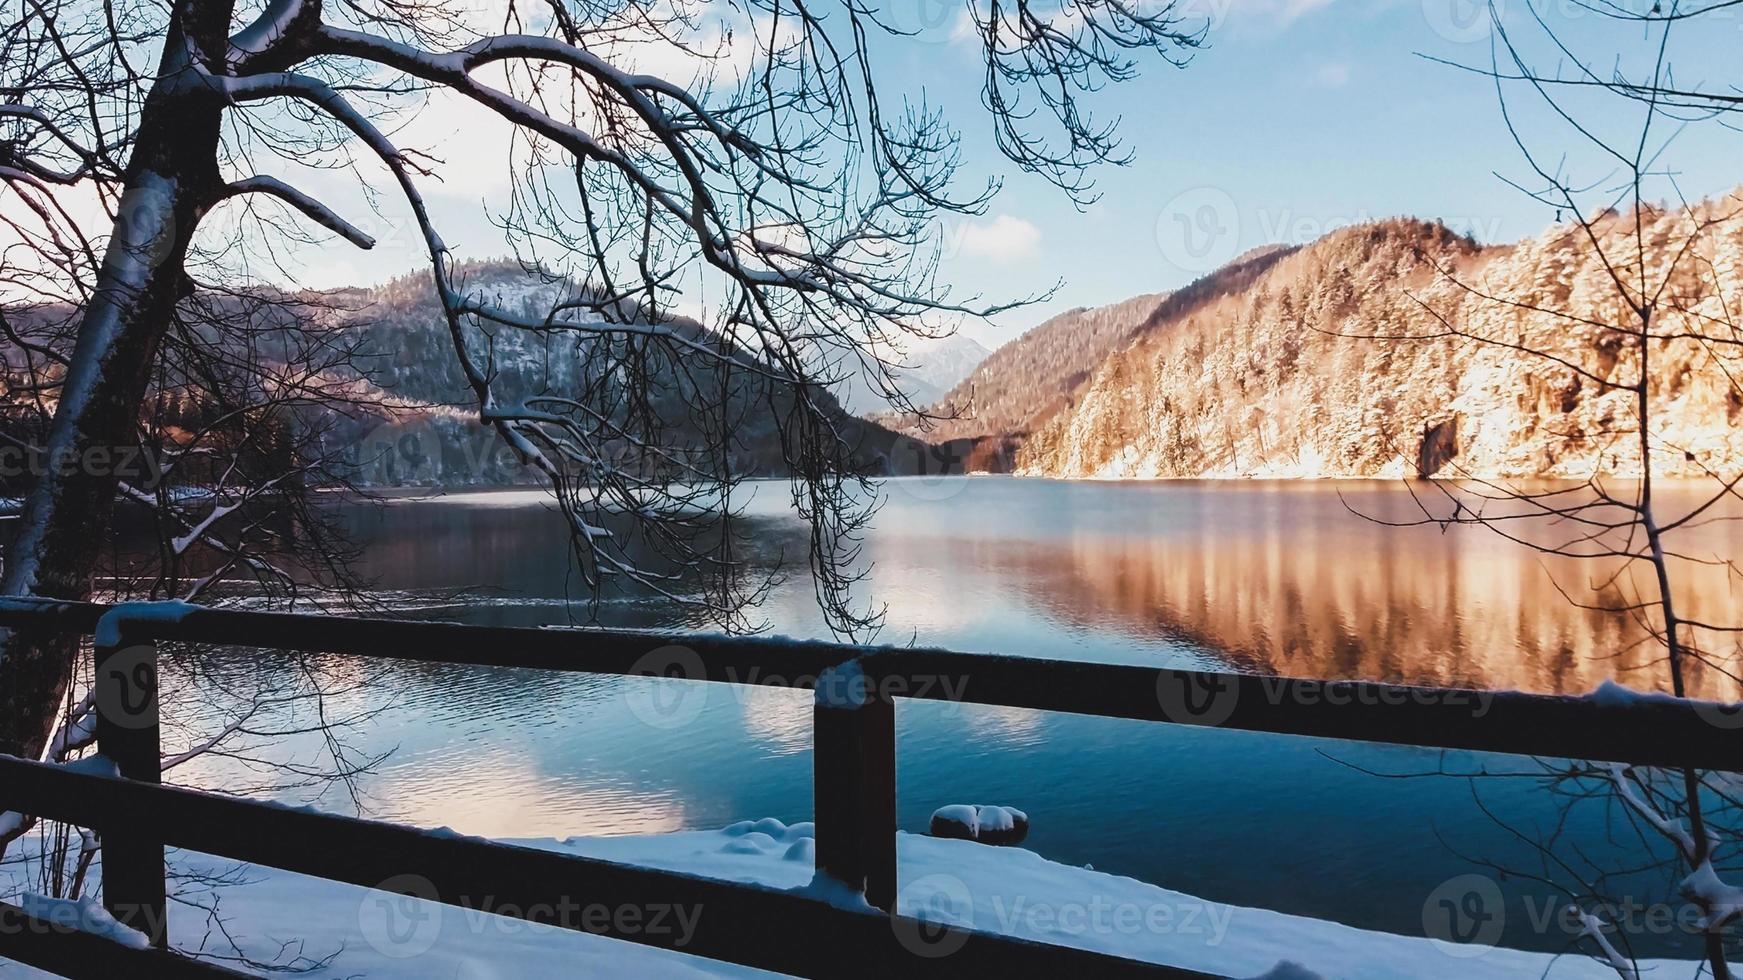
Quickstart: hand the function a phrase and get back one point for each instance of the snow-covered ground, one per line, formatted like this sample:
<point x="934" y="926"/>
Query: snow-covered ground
<point x="999" y="889"/>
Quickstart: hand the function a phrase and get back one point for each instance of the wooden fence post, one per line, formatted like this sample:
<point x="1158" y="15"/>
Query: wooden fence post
<point x="854" y="783"/>
<point x="125" y="685"/>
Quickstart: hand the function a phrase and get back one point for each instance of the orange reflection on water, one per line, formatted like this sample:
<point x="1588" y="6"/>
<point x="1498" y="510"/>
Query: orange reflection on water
<point x="1295" y="579"/>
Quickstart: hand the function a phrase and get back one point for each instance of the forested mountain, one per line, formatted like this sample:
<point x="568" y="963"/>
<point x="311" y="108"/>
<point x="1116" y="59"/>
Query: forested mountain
<point x="1036" y="372"/>
<point x="1026" y="382"/>
<point x="1288" y="362"/>
<point x="432" y="437"/>
<point x="1301" y="373"/>
<point x="367" y="381"/>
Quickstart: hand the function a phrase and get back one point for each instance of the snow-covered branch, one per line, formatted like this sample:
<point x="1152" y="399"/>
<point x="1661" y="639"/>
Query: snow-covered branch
<point x="1593" y="928"/>
<point x="1671" y="830"/>
<point x="316" y="211"/>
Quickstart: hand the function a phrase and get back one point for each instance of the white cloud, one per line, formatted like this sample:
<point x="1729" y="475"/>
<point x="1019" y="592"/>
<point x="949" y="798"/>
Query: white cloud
<point x="1272" y="14"/>
<point x="1003" y="239"/>
<point x="472" y="141"/>
<point x="963" y="30"/>
<point x="1293" y="9"/>
<point x="724" y="52"/>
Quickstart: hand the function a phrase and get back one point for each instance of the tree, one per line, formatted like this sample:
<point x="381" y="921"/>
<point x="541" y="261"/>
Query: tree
<point x="800" y="193"/>
<point x="1664" y="339"/>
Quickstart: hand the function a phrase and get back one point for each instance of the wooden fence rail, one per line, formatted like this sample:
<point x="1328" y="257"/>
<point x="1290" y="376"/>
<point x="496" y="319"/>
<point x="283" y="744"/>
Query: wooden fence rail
<point x="854" y="785"/>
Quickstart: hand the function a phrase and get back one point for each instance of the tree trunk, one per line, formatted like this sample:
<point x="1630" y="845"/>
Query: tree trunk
<point x="171" y="179"/>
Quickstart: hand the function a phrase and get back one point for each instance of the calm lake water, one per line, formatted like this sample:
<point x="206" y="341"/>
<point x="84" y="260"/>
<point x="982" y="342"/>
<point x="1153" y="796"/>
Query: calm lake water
<point x="1273" y="578"/>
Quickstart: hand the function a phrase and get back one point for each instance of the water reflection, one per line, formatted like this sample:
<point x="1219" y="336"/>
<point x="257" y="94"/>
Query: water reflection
<point x="1289" y="582"/>
<point x="1275" y="578"/>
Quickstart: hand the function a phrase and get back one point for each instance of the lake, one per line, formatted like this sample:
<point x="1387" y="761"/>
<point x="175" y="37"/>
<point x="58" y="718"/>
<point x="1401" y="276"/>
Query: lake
<point x="1286" y="578"/>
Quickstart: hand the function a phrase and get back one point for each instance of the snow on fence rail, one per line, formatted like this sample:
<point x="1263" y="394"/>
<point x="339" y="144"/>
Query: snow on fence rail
<point x="845" y="924"/>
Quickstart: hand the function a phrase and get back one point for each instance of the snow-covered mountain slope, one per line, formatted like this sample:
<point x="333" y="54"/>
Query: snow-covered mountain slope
<point x="431" y="437"/>
<point x="1021" y="386"/>
<point x="932" y="367"/>
<point x="1292" y="376"/>
<point x="1033" y="373"/>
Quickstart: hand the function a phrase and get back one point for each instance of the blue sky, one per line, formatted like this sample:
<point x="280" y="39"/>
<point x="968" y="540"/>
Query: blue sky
<point x="1298" y="117"/>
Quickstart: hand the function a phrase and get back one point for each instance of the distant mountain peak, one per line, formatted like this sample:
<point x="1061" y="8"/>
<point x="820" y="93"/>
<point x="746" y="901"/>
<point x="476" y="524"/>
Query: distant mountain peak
<point x="931" y="368"/>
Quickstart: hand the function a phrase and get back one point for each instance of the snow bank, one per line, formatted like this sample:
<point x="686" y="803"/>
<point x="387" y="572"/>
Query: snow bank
<point x="1017" y="892"/>
<point x="999" y="889"/>
<point x="85" y="915"/>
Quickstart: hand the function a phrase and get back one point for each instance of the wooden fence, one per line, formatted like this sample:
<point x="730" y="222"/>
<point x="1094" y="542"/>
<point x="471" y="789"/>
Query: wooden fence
<point x="854" y="781"/>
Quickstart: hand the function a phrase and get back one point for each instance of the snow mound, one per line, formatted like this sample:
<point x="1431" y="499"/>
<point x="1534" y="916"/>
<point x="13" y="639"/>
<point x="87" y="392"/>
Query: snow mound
<point x="999" y="825"/>
<point x="768" y="828"/>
